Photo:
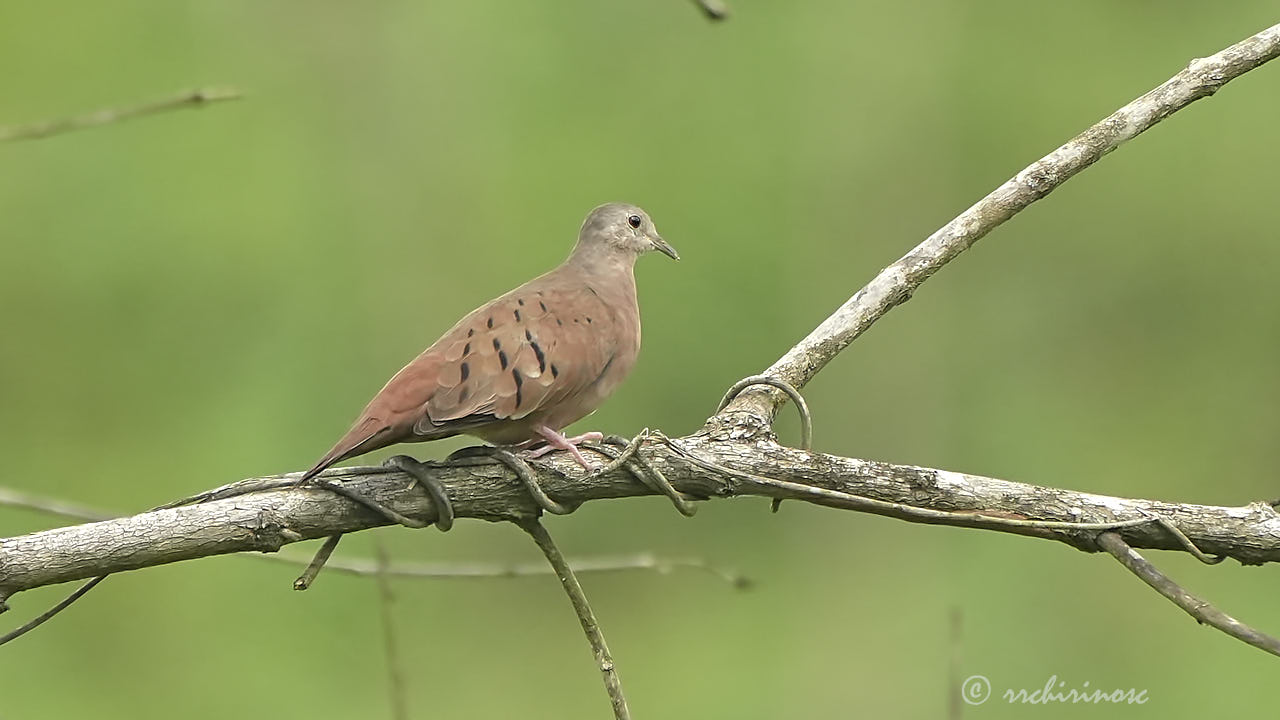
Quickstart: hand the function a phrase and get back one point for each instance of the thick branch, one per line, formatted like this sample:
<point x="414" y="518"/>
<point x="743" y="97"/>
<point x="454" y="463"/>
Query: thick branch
<point x="267" y="520"/>
<point x="895" y="284"/>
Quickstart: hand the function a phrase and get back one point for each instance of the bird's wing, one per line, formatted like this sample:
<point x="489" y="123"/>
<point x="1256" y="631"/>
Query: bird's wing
<point x="524" y="352"/>
<point x="541" y="344"/>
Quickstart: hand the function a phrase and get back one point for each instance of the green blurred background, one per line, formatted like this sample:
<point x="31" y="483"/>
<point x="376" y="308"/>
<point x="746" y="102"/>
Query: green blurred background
<point x="197" y="297"/>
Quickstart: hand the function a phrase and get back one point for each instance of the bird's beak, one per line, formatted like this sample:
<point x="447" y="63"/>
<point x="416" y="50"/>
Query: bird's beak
<point x="661" y="246"/>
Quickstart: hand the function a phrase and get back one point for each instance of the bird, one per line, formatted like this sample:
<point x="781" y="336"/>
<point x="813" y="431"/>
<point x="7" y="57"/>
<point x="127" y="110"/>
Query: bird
<point x="520" y="368"/>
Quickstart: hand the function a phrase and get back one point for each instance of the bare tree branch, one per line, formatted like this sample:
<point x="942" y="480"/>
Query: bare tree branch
<point x="896" y="283"/>
<point x="318" y="562"/>
<point x="735" y="453"/>
<point x="188" y="99"/>
<point x="750" y="464"/>
<point x="434" y="571"/>
<point x="1197" y="608"/>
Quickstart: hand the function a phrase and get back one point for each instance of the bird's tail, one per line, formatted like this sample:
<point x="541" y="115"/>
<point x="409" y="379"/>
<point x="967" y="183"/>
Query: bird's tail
<point x="355" y="442"/>
<point x="329" y="458"/>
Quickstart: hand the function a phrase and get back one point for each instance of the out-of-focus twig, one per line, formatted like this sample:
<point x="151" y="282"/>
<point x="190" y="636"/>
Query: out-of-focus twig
<point x="447" y="571"/>
<point x="188" y="99"/>
<point x="19" y="499"/>
<point x="395" y="673"/>
<point x="713" y="9"/>
<point x="955" y="701"/>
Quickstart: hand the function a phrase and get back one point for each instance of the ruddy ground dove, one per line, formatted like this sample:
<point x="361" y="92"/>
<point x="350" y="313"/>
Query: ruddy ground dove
<point x="522" y="367"/>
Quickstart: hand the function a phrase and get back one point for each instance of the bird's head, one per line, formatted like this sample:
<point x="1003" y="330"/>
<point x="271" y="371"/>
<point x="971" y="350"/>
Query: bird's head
<point x="621" y="227"/>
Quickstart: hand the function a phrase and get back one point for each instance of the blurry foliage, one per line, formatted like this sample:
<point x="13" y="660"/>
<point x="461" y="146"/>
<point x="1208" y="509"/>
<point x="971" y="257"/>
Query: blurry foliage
<point x="193" y="298"/>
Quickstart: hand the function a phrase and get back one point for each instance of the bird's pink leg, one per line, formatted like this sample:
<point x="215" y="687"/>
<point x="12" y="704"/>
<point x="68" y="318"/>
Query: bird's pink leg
<point x="557" y="441"/>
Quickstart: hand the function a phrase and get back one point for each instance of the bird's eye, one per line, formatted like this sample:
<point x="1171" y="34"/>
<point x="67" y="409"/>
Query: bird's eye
<point x="634" y="221"/>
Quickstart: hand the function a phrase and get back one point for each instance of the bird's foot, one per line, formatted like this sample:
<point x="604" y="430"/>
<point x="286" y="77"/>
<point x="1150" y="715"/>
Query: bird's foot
<point x="522" y="470"/>
<point x="557" y="441"/>
<point x="422" y="476"/>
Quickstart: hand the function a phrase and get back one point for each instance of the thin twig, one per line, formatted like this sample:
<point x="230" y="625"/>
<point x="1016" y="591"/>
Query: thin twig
<point x="895" y="284"/>
<point x="604" y="661"/>
<point x="317" y="563"/>
<point x="395" y="673"/>
<point x="188" y="99"/>
<point x="1196" y="607"/>
<point x="40" y="619"/>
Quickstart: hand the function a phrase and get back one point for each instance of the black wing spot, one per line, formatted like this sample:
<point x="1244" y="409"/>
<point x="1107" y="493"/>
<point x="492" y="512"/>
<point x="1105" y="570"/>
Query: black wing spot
<point x="497" y="345"/>
<point x="528" y="335"/>
<point x="515" y="375"/>
<point x="543" y="306"/>
<point x="517" y="314"/>
<point x="471" y="332"/>
<point x="490" y="323"/>
<point x="465" y="370"/>
<point x="521" y="301"/>
<point x="502" y="358"/>
<point x="558" y="322"/>
<point x="466" y="350"/>
<point x="588" y="319"/>
<point x="554" y="371"/>
<point x="542" y="358"/>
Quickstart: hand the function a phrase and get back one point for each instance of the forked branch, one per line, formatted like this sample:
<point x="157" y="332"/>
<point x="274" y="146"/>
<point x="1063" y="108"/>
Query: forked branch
<point x="896" y="283"/>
